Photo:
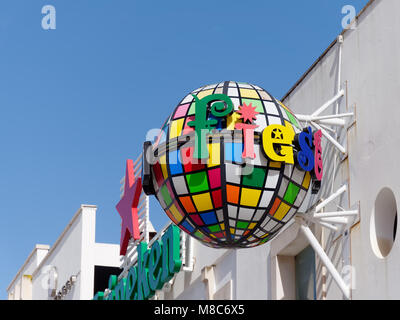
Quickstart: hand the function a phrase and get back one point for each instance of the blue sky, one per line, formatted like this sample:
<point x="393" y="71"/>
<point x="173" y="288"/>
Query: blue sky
<point x="76" y="102"/>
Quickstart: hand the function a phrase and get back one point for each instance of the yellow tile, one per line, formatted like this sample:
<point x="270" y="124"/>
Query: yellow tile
<point x="249" y="93"/>
<point x="252" y="225"/>
<point x="205" y="93"/>
<point x="163" y="162"/>
<point x="203" y="202"/>
<point x="176" y="128"/>
<point x="250" y="197"/>
<point x="214" y="154"/>
<point x="176" y="213"/>
<point x="232" y="231"/>
<point x="282" y="211"/>
<point x="265" y="235"/>
<point x="306" y="181"/>
<point x="275" y="164"/>
<point x="222" y="225"/>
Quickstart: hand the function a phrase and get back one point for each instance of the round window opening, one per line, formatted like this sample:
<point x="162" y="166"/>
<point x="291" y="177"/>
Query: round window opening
<point x="384" y="223"/>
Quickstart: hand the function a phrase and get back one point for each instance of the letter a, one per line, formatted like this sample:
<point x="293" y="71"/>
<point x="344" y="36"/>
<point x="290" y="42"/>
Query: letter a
<point x="49" y="20"/>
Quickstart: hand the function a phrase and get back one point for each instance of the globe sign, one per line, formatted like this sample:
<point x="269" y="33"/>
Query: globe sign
<point x="232" y="165"/>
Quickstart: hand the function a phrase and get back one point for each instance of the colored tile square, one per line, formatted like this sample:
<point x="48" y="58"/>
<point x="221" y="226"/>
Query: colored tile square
<point x="186" y="128"/>
<point x="215" y="228"/>
<point x="232" y="212"/>
<point x="209" y="218"/>
<point x="204" y="93"/>
<point x="291" y="193"/>
<point x="249" y="93"/>
<point x="250" y="197"/>
<point x="189" y="163"/>
<point x="306" y="181"/>
<point x="282" y="211"/>
<point x="175" y="212"/>
<point x="175" y="165"/>
<point x="292" y="119"/>
<point x="158" y="174"/>
<point x="232" y="193"/>
<point x="192" y="109"/>
<point x="255" y="103"/>
<point x="166" y="195"/>
<point x="171" y="216"/>
<point x="275" y="206"/>
<point x="197" y="182"/>
<point x="217" y="198"/>
<point x="214" y="154"/>
<point x="163" y="163"/>
<point x="256" y="178"/>
<point x="233" y="173"/>
<point x="187" y="204"/>
<point x="180" y="185"/>
<point x="233" y="152"/>
<point x="242" y="225"/>
<point x="266" y="199"/>
<point x="187" y="226"/>
<point x="272" y="179"/>
<point x="270" y="108"/>
<point x="197" y="220"/>
<point x="176" y="127"/>
<point x="214" y="176"/>
<point x="203" y="202"/>
<point x="264" y="95"/>
<point x="274" y="120"/>
<point x="181" y="111"/>
<point x="276" y="165"/>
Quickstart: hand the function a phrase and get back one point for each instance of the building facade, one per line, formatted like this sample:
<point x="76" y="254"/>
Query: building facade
<point x="73" y="268"/>
<point x="351" y="93"/>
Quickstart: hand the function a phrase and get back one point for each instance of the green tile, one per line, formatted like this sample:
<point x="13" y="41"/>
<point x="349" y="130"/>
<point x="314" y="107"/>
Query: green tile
<point x="165" y="194"/>
<point x="242" y="225"/>
<point x="197" y="182"/>
<point x="292" y="119"/>
<point x="291" y="193"/>
<point x="255" y="179"/>
<point x="214" y="228"/>
<point x="255" y="103"/>
<point x="192" y="109"/>
<point x="199" y="235"/>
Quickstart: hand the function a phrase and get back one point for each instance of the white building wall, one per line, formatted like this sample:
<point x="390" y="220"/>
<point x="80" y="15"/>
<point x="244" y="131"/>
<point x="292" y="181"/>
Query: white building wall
<point x="66" y="256"/>
<point x="17" y="288"/>
<point x="371" y="73"/>
<point x="75" y="253"/>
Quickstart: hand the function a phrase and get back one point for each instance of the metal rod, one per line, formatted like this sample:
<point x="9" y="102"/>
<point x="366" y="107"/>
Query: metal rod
<point x="325" y="260"/>
<point x="336" y="214"/>
<point x="332" y="197"/>
<point x="336" y="220"/>
<point x="328" y="136"/>
<point x="328" y="103"/>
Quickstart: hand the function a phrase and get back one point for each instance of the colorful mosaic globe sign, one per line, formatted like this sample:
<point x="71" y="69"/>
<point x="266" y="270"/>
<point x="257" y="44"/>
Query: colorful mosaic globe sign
<point x="232" y="165"/>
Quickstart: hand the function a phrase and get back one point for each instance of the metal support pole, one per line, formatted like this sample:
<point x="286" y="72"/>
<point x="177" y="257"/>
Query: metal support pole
<point x="325" y="260"/>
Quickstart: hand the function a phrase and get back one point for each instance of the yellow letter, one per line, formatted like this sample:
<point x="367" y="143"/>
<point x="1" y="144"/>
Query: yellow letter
<point x="282" y="136"/>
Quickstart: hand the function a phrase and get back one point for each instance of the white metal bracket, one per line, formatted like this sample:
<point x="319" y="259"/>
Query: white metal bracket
<point x="325" y="122"/>
<point x="336" y="221"/>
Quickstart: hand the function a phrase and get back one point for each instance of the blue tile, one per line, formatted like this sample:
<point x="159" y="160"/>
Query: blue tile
<point x="209" y="218"/>
<point x="233" y="152"/>
<point x="175" y="164"/>
<point x="187" y="226"/>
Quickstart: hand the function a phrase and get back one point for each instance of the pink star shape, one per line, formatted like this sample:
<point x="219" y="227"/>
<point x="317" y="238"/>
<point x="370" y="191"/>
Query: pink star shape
<point x="127" y="208"/>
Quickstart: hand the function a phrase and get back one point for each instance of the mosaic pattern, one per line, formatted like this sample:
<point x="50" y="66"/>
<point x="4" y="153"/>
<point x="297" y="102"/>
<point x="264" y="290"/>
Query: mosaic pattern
<point x="216" y="201"/>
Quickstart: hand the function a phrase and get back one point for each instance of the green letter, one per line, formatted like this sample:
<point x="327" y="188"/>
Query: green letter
<point x="155" y="267"/>
<point x="171" y="259"/>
